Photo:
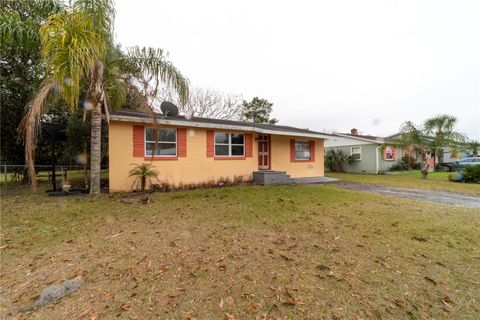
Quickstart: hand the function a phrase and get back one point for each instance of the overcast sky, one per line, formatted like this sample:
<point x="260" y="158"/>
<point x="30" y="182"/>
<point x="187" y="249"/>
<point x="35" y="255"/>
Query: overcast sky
<point x="326" y="65"/>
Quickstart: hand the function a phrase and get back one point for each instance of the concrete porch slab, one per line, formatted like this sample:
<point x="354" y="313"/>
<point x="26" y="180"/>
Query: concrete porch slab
<point x="314" y="180"/>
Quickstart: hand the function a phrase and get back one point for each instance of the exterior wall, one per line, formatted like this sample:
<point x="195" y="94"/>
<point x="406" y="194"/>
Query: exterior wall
<point x="368" y="162"/>
<point x="280" y="158"/>
<point x="196" y="167"/>
<point x="193" y="169"/>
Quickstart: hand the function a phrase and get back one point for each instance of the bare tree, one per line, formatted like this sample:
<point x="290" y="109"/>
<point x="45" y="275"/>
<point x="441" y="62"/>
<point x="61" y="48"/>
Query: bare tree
<point x="206" y="103"/>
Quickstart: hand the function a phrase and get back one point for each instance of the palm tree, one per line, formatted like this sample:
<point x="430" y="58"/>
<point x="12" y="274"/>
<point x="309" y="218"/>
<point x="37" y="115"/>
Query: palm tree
<point x="435" y="134"/>
<point x="79" y="52"/>
<point x="142" y="173"/>
<point x="441" y="129"/>
<point x="474" y="145"/>
<point x="412" y="137"/>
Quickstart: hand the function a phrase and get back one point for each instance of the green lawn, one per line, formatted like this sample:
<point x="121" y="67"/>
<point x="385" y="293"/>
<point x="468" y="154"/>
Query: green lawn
<point x="296" y="252"/>
<point x="435" y="181"/>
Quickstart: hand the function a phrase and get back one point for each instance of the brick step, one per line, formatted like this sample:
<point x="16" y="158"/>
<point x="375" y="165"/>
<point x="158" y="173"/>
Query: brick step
<point x="271" y="177"/>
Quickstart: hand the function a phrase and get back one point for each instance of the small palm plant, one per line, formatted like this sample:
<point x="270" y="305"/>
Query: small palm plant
<point x="336" y="159"/>
<point x="142" y="173"/>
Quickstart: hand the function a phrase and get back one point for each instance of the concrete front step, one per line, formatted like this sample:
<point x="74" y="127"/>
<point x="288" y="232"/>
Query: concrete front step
<point x="269" y="177"/>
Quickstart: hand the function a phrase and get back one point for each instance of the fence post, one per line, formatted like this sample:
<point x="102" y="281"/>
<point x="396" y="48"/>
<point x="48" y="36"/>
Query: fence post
<point x="63" y="176"/>
<point x="5" y="173"/>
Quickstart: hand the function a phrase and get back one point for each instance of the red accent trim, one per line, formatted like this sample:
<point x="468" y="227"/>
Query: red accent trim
<point x="311" y="144"/>
<point x="312" y="150"/>
<point x="138" y="141"/>
<point x="160" y="158"/>
<point x="181" y="142"/>
<point x="210" y="143"/>
<point x="229" y="158"/>
<point x="248" y="145"/>
<point x="269" y="152"/>
<point x="292" y="150"/>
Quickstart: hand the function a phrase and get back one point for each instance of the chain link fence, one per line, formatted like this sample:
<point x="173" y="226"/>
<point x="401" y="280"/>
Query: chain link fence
<point x="47" y="173"/>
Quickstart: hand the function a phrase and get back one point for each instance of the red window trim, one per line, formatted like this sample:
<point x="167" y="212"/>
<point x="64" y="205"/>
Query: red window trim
<point x="311" y="144"/>
<point x="161" y="158"/>
<point x="394" y="154"/>
<point x="229" y="158"/>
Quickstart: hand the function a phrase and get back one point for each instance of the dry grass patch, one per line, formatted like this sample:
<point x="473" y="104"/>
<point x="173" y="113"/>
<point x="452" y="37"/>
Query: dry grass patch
<point x="297" y="252"/>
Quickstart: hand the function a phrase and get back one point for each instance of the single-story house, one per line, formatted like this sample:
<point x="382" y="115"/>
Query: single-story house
<point x="368" y="153"/>
<point x="194" y="150"/>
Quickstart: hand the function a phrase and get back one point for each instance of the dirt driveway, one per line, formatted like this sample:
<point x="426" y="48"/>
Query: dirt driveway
<point x="450" y="198"/>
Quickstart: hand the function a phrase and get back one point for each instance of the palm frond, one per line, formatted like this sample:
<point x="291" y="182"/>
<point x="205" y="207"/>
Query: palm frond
<point x="157" y="69"/>
<point x="101" y="13"/>
<point x="116" y="92"/>
<point x="30" y="125"/>
<point x="71" y="45"/>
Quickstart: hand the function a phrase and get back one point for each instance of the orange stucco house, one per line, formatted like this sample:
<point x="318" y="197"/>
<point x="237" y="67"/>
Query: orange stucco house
<point x="197" y="150"/>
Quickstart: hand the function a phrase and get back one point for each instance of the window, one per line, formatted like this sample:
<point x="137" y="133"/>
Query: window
<point x="302" y="150"/>
<point x="229" y="144"/>
<point x="167" y="142"/>
<point x="356" y="153"/>
<point x="389" y="153"/>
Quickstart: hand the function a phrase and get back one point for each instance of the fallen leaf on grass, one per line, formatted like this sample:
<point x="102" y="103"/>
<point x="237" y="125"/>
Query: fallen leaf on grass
<point x="189" y="315"/>
<point x="251" y="308"/>
<point x="84" y="313"/>
<point x="286" y="257"/>
<point x="399" y="302"/>
<point x="125" y="307"/>
<point x="322" y="267"/>
<point x="430" y="280"/>
<point x="229" y="316"/>
<point x="421" y="239"/>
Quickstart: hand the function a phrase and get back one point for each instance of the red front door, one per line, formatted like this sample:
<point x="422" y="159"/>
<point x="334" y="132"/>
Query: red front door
<point x="263" y="152"/>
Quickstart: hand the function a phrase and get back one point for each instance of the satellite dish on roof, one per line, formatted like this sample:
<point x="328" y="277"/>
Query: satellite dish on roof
<point x="169" y="109"/>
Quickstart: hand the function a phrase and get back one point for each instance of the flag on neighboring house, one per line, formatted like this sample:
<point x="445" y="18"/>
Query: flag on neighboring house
<point x="390" y="153"/>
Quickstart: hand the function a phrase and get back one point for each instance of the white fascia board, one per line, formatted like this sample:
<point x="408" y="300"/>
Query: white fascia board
<point x="357" y="138"/>
<point x="207" y="125"/>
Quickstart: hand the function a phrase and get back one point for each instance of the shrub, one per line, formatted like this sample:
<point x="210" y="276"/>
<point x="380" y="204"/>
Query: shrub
<point x="408" y="161"/>
<point x="472" y="174"/>
<point x="336" y="159"/>
<point x="416" y="166"/>
<point x="456" y="176"/>
<point x="398" y="167"/>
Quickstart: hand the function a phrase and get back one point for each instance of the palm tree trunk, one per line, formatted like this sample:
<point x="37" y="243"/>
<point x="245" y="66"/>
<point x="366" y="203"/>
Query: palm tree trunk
<point x="95" y="150"/>
<point x="96" y="97"/>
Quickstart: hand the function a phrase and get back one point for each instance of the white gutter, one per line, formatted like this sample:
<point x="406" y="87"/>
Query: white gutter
<point x="186" y="123"/>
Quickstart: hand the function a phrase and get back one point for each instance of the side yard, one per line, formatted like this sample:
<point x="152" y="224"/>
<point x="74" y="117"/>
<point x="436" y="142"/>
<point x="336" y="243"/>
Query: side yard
<point x="297" y="252"/>
<point x="435" y="181"/>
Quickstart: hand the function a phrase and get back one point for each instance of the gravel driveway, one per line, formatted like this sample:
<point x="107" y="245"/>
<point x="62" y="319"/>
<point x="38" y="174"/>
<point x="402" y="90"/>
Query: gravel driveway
<point x="451" y="198"/>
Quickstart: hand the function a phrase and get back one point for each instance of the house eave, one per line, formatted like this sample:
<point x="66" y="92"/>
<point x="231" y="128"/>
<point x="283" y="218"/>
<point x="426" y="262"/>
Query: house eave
<point x="358" y="138"/>
<point x="186" y="123"/>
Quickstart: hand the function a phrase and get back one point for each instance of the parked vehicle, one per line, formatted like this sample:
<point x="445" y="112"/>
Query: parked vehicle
<point x="461" y="164"/>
